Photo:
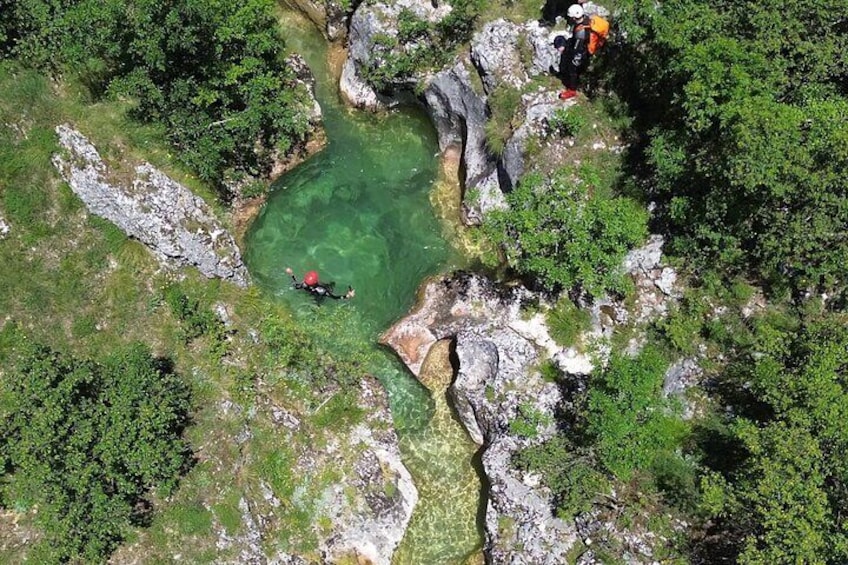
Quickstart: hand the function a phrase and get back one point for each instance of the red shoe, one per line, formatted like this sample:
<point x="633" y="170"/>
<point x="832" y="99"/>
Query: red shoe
<point x="567" y="94"/>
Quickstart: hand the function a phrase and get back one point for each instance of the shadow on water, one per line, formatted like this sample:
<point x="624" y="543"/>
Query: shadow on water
<point x="359" y="213"/>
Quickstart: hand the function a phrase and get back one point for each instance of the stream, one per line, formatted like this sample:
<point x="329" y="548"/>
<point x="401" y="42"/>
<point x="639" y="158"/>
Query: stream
<point x="359" y="213"/>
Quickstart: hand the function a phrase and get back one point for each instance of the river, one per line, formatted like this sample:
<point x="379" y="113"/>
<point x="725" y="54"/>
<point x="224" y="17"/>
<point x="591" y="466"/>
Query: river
<point x="359" y="213"/>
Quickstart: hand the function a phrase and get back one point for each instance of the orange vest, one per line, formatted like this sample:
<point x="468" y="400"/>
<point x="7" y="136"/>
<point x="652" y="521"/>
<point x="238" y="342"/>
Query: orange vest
<point x="598" y="31"/>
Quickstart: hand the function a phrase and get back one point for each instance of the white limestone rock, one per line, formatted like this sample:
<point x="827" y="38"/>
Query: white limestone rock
<point x="177" y="226"/>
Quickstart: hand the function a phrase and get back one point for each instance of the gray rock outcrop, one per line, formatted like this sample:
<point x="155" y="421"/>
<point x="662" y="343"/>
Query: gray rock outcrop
<point x="364" y="510"/>
<point x="329" y="15"/>
<point x="496" y="54"/>
<point x="459" y="113"/>
<point x="370" y="25"/>
<point x="498" y="349"/>
<point x="503" y="55"/>
<point x="177" y="226"/>
<point x="496" y="380"/>
<point x="371" y="506"/>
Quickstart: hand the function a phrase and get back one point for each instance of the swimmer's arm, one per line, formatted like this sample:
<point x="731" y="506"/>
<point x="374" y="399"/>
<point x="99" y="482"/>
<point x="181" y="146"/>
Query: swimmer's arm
<point x="295" y="283"/>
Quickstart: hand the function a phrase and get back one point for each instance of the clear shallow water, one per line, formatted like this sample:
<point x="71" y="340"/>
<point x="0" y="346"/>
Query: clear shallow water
<point x="359" y="213"/>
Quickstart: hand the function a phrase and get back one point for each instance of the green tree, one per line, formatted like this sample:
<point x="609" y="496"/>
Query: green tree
<point x="87" y="442"/>
<point x="789" y="493"/>
<point x="745" y="112"/>
<point x="565" y="233"/>
<point x="211" y="72"/>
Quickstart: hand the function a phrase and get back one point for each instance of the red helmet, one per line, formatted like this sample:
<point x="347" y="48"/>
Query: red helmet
<point x="310" y="278"/>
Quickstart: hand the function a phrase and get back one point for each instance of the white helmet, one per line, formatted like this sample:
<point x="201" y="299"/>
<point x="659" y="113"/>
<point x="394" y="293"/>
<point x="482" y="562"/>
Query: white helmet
<point x="575" y="11"/>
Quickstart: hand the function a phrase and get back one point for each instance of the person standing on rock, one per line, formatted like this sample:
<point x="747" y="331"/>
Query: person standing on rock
<point x="574" y="52"/>
<point x="317" y="289"/>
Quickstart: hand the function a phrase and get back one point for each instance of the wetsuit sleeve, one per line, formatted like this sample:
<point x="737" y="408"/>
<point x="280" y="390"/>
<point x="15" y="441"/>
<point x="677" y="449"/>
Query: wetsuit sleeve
<point x="325" y="290"/>
<point x="296" y="284"/>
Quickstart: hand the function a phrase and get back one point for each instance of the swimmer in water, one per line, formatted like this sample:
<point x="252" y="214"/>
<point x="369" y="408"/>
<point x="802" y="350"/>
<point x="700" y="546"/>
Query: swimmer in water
<point x="319" y="290"/>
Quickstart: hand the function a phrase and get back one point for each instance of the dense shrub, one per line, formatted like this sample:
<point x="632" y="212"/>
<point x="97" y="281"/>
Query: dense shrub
<point x="565" y="234"/>
<point x="573" y="479"/>
<point x="87" y="442"/>
<point x="212" y="72"/>
<point x="746" y="152"/>
<point x="784" y="499"/>
<point x="628" y="423"/>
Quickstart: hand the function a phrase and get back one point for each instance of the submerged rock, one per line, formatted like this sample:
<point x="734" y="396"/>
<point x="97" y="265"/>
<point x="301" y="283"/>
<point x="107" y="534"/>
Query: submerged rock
<point x="177" y="226"/>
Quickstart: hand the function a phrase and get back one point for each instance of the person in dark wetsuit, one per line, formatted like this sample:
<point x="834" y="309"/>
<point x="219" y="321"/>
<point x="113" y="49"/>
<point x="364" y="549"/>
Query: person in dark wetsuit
<point x="573" y="52"/>
<point x="317" y="289"/>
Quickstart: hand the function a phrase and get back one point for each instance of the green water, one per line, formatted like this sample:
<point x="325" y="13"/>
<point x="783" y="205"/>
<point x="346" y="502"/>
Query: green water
<point x="359" y="213"/>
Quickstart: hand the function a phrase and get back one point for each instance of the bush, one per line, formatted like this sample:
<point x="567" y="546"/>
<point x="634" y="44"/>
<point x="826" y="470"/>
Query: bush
<point x="566" y="322"/>
<point x="573" y="480"/>
<point x="746" y="153"/>
<point x="419" y="45"/>
<point x="503" y="103"/>
<point x="628" y="423"/>
<point x="567" y="122"/>
<point x="527" y="421"/>
<point x="565" y="235"/>
<point x="212" y="72"/>
<point x="195" y="321"/>
<point x="87" y="443"/>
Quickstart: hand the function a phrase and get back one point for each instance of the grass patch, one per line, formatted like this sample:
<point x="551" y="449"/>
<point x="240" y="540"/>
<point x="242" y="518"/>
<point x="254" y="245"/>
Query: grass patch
<point x="78" y="284"/>
<point x="566" y="322"/>
<point x="503" y="105"/>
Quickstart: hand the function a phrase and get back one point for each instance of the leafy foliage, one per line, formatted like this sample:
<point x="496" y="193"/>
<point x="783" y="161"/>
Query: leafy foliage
<point x="565" y="234"/>
<point x="785" y="499"/>
<point x="503" y="102"/>
<point x="212" y="72"/>
<point x="747" y="150"/>
<point x="527" y="421"/>
<point x="628" y="423"/>
<point x="567" y="121"/>
<point x="566" y="321"/>
<point x="574" y="480"/>
<point x="196" y="320"/>
<point x="87" y="442"/>
<point x="621" y="429"/>
<point x="419" y="44"/>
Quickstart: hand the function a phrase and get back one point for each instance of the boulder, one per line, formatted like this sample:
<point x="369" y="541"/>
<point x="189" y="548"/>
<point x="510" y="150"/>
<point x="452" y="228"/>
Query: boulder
<point x="329" y="15"/>
<point x="371" y="506"/>
<point x="177" y="226"/>
<point x="4" y="228"/>
<point x="459" y="113"/>
<point x="496" y="379"/>
<point x="538" y="108"/>
<point x="496" y="54"/>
